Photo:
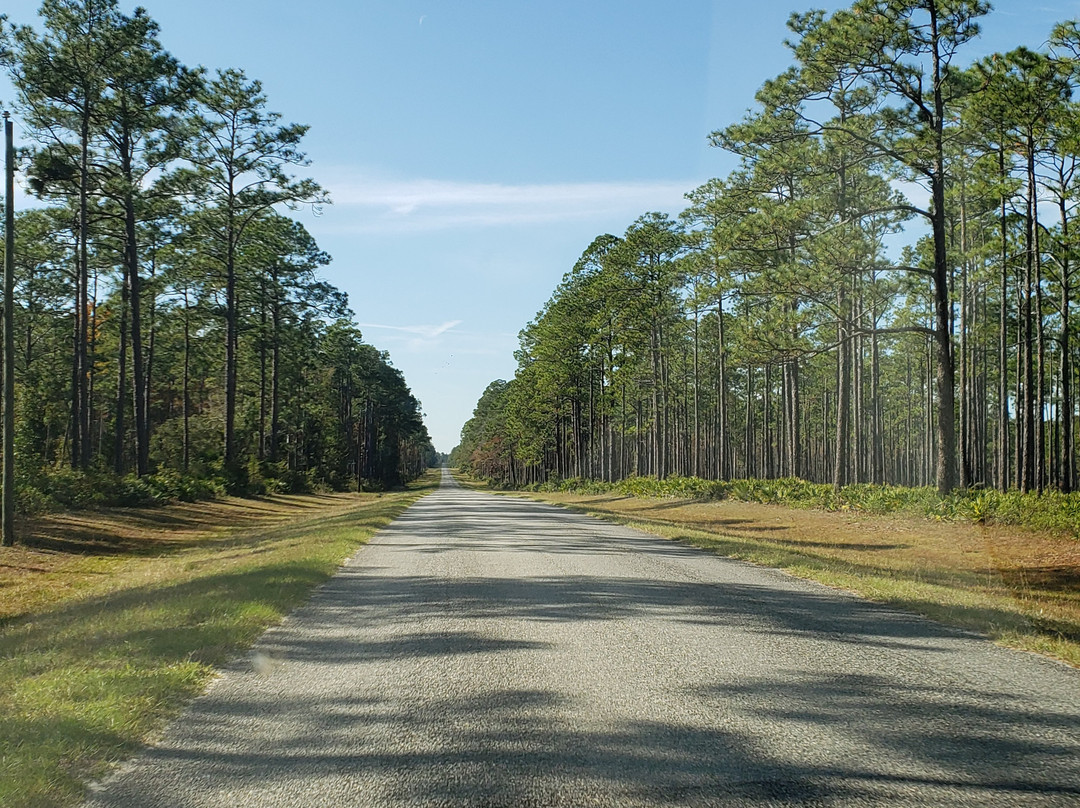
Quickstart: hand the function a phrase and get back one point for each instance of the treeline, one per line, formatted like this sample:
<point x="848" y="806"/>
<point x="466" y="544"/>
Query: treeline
<point x="765" y="331"/>
<point x="174" y="337"/>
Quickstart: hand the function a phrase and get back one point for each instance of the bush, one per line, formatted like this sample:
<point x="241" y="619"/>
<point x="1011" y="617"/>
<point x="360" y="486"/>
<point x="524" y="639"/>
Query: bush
<point x="54" y="489"/>
<point x="168" y="485"/>
<point x="29" y="501"/>
<point x="1051" y="510"/>
<point x="68" y="488"/>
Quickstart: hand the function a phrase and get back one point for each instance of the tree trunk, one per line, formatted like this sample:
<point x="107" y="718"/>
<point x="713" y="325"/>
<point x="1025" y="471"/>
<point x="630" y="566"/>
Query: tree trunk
<point x="723" y="440"/>
<point x="1028" y="478"/>
<point x="138" y="367"/>
<point x="119" y="424"/>
<point x="187" y="382"/>
<point x="945" y="382"/>
<point x="1003" y="471"/>
<point x="80" y="442"/>
<point x="842" y="458"/>
<point x="231" y="345"/>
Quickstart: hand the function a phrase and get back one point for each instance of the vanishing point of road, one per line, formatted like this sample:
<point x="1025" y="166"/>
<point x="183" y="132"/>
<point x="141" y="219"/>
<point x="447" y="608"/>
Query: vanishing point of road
<point x="490" y="651"/>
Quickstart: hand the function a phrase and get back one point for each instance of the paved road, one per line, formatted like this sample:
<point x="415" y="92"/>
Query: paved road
<point x="485" y="651"/>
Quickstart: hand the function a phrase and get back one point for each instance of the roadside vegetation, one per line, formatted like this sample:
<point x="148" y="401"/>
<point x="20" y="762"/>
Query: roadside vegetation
<point x="112" y="620"/>
<point x="1051" y="511"/>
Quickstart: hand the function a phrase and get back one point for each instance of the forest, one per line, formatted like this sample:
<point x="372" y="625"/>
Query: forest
<point x="882" y="291"/>
<point x="173" y="335"/>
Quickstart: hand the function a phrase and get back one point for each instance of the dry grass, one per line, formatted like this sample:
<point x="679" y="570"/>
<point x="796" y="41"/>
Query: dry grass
<point x="1016" y="585"/>
<point x="67" y="555"/>
<point x="112" y="620"/>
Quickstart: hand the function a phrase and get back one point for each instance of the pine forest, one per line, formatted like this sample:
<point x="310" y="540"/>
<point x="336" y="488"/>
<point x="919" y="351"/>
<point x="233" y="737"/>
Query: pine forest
<point x="173" y="336"/>
<point x="883" y="291"/>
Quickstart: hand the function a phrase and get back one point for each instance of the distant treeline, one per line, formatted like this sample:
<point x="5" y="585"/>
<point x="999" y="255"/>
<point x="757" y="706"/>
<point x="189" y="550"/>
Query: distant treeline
<point x="765" y="333"/>
<point x="174" y="337"/>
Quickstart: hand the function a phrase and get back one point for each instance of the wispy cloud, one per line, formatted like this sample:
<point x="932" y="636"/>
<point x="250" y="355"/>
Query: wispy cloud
<point x="425" y="331"/>
<point x="425" y="204"/>
<point x="443" y="346"/>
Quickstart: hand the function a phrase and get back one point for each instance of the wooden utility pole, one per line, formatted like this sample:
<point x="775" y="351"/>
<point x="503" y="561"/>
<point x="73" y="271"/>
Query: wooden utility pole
<point x="7" y="499"/>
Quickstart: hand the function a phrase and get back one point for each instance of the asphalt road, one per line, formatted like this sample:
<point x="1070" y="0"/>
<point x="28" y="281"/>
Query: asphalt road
<point x="486" y="651"/>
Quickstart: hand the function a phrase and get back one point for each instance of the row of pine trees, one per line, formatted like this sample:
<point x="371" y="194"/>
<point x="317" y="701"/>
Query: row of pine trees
<point x="769" y="330"/>
<point x="169" y="312"/>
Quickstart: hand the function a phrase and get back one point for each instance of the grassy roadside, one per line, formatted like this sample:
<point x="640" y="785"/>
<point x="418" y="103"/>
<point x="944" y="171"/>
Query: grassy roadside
<point x="1018" y="586"/>
<point x="99" y="646"/>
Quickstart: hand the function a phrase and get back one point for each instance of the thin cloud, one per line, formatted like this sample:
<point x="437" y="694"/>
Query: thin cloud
<point x="426" y="331"/>
<point x="424" y="204"/>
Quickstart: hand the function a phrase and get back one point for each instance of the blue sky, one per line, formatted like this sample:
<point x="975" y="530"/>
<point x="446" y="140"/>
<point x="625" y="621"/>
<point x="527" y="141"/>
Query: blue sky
<point x="474" y="149"/>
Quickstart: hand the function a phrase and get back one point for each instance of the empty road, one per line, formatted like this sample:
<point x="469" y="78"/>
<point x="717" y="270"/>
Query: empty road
<point x="487" y="651"/>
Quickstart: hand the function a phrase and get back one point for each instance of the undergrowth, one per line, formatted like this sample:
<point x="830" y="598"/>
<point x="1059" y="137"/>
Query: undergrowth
<point x="54" y="489"/>
<point x="61" y="489"/>
<point x="1051" y="510"/>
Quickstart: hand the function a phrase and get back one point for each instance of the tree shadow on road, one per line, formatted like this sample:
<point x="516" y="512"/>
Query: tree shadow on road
<point x="897" y="743"/>
<point x="758" y="744"/>
<point x="514" y="747"/>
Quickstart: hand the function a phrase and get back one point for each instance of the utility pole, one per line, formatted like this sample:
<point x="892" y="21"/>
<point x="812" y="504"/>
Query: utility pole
<point x="7" y="499"/>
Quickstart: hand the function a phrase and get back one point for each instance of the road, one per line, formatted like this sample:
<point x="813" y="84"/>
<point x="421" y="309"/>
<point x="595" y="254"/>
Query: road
<point x="488" y="651"/>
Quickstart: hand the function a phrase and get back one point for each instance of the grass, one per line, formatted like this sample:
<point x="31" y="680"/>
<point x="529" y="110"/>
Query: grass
<point x="111" y="622"/>
<point x="1017" y="585"/>
<point x="1049" y="511"/>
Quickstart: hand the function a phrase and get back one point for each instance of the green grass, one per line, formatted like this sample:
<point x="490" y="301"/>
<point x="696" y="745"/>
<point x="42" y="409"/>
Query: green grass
<point x="88" y="679"/>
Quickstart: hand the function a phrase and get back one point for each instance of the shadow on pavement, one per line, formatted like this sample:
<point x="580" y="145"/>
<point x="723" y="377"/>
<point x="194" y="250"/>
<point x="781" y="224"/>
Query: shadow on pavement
<point x="513" y="748"/>
<point x="945" y="743"/>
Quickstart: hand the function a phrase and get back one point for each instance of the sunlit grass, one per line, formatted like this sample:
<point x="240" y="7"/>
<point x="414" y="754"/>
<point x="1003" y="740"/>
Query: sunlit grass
<point x="91" y="671"/>
<point x="1049" y="511"/>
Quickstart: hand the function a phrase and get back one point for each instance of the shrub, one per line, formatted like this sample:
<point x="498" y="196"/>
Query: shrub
<point x="53" y="489"/>
<point x="1050" y="510"/>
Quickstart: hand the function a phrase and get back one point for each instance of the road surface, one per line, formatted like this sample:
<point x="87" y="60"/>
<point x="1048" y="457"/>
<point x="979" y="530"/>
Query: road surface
<point x="487" y="651"/>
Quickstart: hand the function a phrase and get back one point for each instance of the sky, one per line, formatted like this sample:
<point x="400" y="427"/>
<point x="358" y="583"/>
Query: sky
<point x="473" y="149"/>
